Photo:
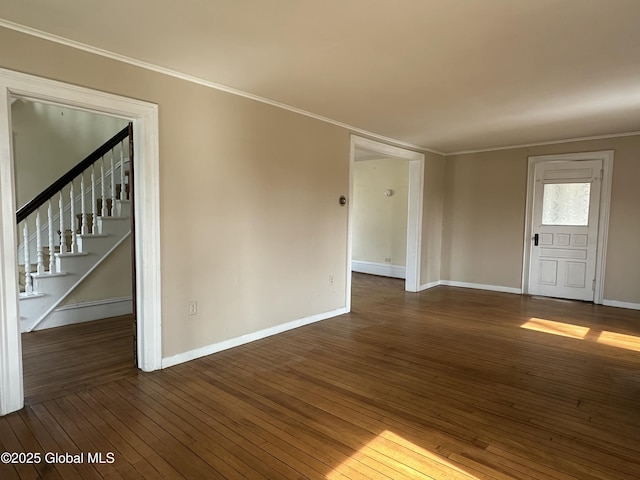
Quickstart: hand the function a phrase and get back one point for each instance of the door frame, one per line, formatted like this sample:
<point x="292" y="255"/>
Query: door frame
<point x="603" y="218"/>
<point x="144" y="116"/>
<point x="414" y="217"/>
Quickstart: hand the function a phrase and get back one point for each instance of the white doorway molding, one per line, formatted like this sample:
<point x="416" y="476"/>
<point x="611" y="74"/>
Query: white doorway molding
<point x="414" y="217"/>
<point x="144" y="116"/>
<point x="606" y="156"/>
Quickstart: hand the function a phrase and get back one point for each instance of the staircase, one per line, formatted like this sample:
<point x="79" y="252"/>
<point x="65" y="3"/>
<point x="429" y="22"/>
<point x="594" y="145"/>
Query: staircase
<point x="77" y="222"/>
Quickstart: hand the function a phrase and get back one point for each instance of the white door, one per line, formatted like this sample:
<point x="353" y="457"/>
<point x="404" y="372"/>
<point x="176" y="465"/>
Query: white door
<point x="565" y="229"/>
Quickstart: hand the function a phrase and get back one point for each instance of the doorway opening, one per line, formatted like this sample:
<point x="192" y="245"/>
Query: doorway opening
<point x="398" y="254"/>
<point x="566" y="228"/>
<point x="61" y="351"/>
<point x="144" y="119"/>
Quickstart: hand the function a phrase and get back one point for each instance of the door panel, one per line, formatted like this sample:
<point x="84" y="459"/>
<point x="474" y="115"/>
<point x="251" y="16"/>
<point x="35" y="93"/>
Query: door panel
<point x="565" y="219"/>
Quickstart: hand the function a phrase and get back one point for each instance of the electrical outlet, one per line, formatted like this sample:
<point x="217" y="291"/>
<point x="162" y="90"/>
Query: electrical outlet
<point x="193" y="308"/>
<point x="330" y="279"/>
<point x="387" y="260"/>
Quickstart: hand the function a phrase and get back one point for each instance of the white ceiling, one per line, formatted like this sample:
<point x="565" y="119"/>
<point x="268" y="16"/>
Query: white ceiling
<point x="445" y="75"/>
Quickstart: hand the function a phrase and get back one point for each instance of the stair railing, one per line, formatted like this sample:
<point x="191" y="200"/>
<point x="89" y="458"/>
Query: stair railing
<point x="102" y="170"/>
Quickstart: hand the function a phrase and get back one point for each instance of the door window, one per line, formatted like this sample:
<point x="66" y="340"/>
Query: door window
<point x="566" y="204"/>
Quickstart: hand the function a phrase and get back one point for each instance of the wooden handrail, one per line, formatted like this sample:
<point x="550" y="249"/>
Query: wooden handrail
<point x="76" y="170"/>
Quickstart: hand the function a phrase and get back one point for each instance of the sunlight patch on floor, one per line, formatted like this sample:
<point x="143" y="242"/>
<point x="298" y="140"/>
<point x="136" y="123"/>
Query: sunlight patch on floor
<point x="556" y="328"/>
<point x="620" y="340"/>
<point x="391" y="454"/>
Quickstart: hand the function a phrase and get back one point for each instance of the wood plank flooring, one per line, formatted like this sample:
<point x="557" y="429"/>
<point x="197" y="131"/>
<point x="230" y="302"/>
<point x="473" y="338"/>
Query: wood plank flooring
<point x="445" y="384"/>
<point x="74" y="357"/>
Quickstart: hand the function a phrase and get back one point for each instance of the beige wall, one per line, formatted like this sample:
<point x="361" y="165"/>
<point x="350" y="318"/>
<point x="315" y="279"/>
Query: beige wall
<point x="485" y="214"/>
<point x="48" y="140"/>
<point x="380" y="221"/>
<point x="251" y="227"/>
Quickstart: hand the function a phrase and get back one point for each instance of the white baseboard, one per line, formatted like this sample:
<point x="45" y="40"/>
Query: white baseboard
<point x="87" y="312"/>
<point x="480" y="286"/>
<point x="382" y="269"/>
<point x="615" y="303"/>
<point x="429" y="285"/>
<point x="250" y="337"/>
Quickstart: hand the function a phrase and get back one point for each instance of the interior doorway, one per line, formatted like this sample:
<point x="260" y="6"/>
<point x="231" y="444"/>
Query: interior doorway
<point x="144" y="118"/>
<point x="380" y="214"/>
<point x="363" y="149"/>
<point x="568" y="200"/>
<point x="49" y="141"/>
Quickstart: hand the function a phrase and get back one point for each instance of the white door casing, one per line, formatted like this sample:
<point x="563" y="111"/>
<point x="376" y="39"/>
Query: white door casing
<point x="144" y="116"/>
<point x="567" y="215"/>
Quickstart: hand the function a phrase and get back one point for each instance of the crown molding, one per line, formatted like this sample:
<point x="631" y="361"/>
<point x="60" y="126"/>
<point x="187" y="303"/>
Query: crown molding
<point x="539" y="144"/>
<point x="201" y="81"/>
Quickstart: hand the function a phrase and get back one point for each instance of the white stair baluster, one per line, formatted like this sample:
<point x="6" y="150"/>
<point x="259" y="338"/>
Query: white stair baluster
<point x="63" y="237"/>
<point x="52" y="247"/>
<point x="94" y="207"/>
<point x="28" y="288"/>
<point x="113" y="186"/>
<point x="103" y="209"/>
<point x="123" y="192"/>
<point x="39" y="252"/>
<point x="72" y="209"/>
<point x="83" y="208"/>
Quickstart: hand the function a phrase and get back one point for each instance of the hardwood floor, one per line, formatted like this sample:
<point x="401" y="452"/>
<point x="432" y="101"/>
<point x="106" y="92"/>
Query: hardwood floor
<point x="448" y="383"/>
<point x="67" y="359"/>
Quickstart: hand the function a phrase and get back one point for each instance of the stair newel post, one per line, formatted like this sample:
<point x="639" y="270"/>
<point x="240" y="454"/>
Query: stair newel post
<point x="94" y="206"/>
<point x="39" y="252"/>
<point x="52" y="247"/>
<point x="83" y="207"/>
<point x="113" y="186"/>
<point x="123" y="191"/>
<point x="28" y="287"/>
<point x="63" y="237"/>
<point x="72" y="211"/>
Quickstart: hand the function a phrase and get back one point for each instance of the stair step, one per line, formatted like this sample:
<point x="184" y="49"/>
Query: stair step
<point x="25" y="296"/>
<point x="93" y="235"/>
<point x="71" y="254"/>
<point x="48" y="275"/>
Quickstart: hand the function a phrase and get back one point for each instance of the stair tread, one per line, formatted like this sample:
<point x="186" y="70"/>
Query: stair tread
<point x="25" y="296"/>
<point x="71" y="254"/>
<point x="49" y="274"/>
<point x="92" y="235"/>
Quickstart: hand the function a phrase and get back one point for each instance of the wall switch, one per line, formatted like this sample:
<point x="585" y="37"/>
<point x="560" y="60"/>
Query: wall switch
<point x="193" y="308"/>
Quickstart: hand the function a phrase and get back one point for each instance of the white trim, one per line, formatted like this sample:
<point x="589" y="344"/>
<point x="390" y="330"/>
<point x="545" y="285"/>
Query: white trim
<point x="414" y="216"/>
<point x="382" y="269"/>
<point x="552" y="142"/>
<point x="88" y="312"/>
<point x="427" y="286"/>
<point x="249" y="337"/>
<point x="53" y="307"/>
<point x="616" y="303"/>
<point x="480" y="286"/>
<point x="144" y="116"/>
<point x="603" y="223"/>
<point x="200" y="81"/>
<point x="11" y="387"/>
